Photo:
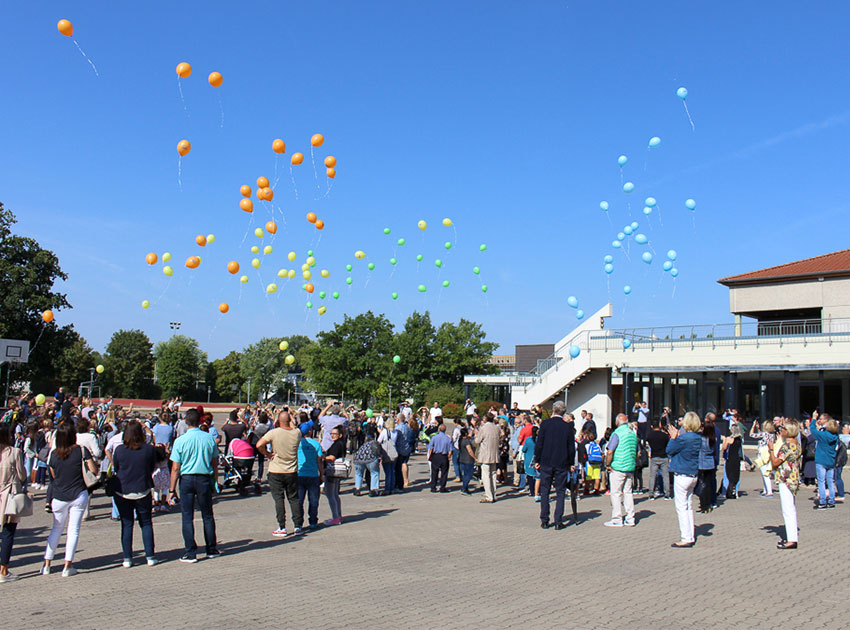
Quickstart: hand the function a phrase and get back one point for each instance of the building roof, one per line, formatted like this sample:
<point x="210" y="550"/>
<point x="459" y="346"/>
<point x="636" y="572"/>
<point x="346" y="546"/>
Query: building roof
<point x="834" y="264"/>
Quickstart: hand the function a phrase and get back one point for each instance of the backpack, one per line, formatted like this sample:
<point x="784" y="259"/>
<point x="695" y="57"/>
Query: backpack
<point x="402" y="444"/>
<point x="594" y="453"/>
<point x="582" y="453"/>
<point x="390" y="454"/>
<point x="840" y="455"/>
<point x="367" y="453"/>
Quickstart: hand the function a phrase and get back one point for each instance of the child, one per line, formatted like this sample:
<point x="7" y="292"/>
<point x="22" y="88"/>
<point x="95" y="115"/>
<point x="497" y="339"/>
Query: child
<point x="594" y="466"/>
<point x="161" y="479"/>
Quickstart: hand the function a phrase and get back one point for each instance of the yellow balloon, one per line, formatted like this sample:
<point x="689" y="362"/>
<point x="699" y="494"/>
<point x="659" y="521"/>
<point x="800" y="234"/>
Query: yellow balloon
<point x="292" y="256"/>
<point x="259" y="233"/>
<point x="267" y="250"/>
<point x="307" y="274"/>
<point x="255" y="249"/>
<point x="447" y="222"/>
<point x="39" y="399"/>
<point x="289" y="360"/>
<point x="166" y="257"/>
<point x="325" y="273"/>
<point x="167" y="270"/>
<point x="292" y="273"/>
<point x="255" y="263"/>
<point x="422" y="225"/>
<point x="99" y="369"/>
<point x="243" y="279"/>
<point x="311" y="260"/>
<point x="360" y="254"/>
<point x="282" y="273"/>
<point x="271" y="288"/>
<point x="305" y="267"/>
<point x="210" y="238"/>
<point x="322" y="310"/>
<point x="145" y="303"/>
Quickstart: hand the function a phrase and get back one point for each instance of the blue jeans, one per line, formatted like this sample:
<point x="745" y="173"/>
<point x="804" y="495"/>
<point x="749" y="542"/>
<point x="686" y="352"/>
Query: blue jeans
<point x="839" y="482"/>
<point x="466" y="471"/>
<point x="142" y="508"/>
<point x="825" y="475"/>
<point x="332" y="493"/>
<point x="374" y="474"/>
<point x="389" y="477"/>
<point x="455" y="462"/>
<point x="197" y="487"/>
<point x="309" y="486"/>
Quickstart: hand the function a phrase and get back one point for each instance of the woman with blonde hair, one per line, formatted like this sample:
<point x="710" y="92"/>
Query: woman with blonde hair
<point x="389" y="453"/>
<point x="784" y="458"/>
<point x="683" y="450"/>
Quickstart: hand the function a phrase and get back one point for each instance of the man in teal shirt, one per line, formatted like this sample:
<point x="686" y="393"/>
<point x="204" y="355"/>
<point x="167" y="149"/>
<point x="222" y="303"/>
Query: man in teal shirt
<point x="195" y="457"/>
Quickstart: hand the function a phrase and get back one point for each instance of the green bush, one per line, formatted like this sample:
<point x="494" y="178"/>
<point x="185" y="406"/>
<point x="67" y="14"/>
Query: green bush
<point x="452" y="410"/>
<point x="484" y="406"/>
<point x="444" y="395"/>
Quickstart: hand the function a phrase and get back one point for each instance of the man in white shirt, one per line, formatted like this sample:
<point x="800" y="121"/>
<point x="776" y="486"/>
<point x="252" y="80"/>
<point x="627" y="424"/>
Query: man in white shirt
<point x="469" y="409"/>
<point x="436" y="413"/>
<point x="406" y="410"/>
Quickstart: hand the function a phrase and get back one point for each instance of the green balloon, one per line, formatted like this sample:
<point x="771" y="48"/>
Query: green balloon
<point x="445" y="283"/>
<point x="369" y="413"/>
<point x="395" y="295"/>
<point x="476" y="270"/>
<point x="393" y="261"/>
<point x="309" y="305"/>
<point x="483" y="247"/>
<point x="484" y="288"/>
<point x="309" y="252"/>
<point x="348" y="281"/>
<point x="422" y="288"/>
<point x="396" y="359"/>
<point x="313" y="264"/>
<point x="419" y="257"/>
<point x="371" y="266"/>
<point x="335" y="295"/>
<point x="348" y="267"/>
<point x="438" y="262"/>
<point x="386" y="230"/>
<point x="303" y="287"/>
<point x="447" y="245"/>
<point x="322" y="294"/>
<point x="401" y="241"/>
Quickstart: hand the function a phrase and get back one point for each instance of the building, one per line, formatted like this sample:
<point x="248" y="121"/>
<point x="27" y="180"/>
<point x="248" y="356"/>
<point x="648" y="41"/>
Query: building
<point x="505" y="362"/>
<point x="786" y="353"/>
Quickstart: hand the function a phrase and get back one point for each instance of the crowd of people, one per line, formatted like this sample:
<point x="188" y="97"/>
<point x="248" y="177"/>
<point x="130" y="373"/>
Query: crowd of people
<point x="71" y="447"/>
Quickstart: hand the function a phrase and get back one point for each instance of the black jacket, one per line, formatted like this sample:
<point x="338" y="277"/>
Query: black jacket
<point x="556" y="444"/>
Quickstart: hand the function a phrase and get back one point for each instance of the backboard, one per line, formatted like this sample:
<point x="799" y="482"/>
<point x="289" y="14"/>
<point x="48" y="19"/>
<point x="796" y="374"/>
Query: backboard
<point x="14" y="351"/>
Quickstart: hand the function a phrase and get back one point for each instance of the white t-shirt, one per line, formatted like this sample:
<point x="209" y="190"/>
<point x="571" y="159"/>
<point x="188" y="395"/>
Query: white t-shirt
<point x="436" y="413"/>
<point x="470" y="409"/>
<point x="407" y="411"/>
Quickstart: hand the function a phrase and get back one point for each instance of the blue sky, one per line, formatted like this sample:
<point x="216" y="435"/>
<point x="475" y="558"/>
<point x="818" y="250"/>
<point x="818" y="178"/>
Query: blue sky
<point x="506" y="118"/>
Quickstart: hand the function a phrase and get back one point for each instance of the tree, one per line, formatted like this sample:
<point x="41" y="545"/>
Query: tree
<point x="180" y="364"/>
<point x="224" y="376"/>
<point x="460" y="349"/>
<point x="27" y="276"/>
<point x="414" y="345"/>
<point x="264" y="363"/>
<point x="355" y="357"/>
<point x="73" y="365"/>
<point x="129" y="364"/>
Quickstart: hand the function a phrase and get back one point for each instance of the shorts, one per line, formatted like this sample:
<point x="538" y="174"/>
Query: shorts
<point x="594" y="471"/>
<point x="403" y="458"/>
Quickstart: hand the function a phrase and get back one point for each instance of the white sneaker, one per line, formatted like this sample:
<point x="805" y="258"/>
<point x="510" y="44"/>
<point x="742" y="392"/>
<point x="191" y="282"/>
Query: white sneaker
<point x="45" y="570"/>
<point x="279" y="533"/>
<point x="9" y="577"/>
<point x="127" y="564"/>
<point x="613" y="523"/>
<point x="151" y="562"/>
<point x="69" y="572"/>
<point x="629" y="524"/>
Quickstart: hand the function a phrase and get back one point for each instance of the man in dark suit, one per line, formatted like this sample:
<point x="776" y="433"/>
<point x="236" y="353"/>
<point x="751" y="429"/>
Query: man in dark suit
<point x="554" y="457"/>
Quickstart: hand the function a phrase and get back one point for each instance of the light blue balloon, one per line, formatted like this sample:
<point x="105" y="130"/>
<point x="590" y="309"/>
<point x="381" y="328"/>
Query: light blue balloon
<point x="682" y="93"/>
<point x="622" y="160"/>
<point x="641" y="239"/>
<point x="621" y="236"/>
<point x="628" y="187"/>
<point x="647" y="211"/>
<point x="609" y="268"/>
<point x="635" y="225"/>
<point x="616" y="244"/>
<point x="654" y="141"/>
<point x="672" y="255"/>
<point x="650" y="201"/>
<point x="674" y="272"/>
<point x="627" y="289"/>
<point x="627" y="343"/>
<point x="579" y="314"/>
<point x="572" y="301"/>
<point x="628" y="230"/>
<point x="690" y="204"/>
<point x="604" y="205"/>
<point x="646" y="257"/>
<point x="667" y="266"/>
<point x="608" y="258"/>
<point x="574" y="351"/>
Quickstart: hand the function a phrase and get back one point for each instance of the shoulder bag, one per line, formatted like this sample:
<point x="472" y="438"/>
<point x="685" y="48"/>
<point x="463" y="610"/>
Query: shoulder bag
<point x="340" y="468"/>
<point x="89" y="478"/>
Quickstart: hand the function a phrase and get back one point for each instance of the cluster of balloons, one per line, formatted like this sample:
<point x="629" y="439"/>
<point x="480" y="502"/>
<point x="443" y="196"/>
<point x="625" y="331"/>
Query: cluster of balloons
<point x="312" y="218"/>
<point x="184" y="71"/>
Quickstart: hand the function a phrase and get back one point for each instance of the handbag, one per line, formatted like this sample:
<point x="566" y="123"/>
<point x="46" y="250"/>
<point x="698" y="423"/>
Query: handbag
<point x="389" y="452"/>
<point x="89" y="478"/>
<point x="110" y="484"/>
<point x="340" y="468"/>
<point x="17" y="504"/>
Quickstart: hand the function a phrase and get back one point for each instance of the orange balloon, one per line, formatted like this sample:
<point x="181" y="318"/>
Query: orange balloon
<point x="297" y="158"/>
<point x="201" y="240"/>
<point x="311" y="217"/>
<point x="65" y="27"/>
<point x="268" y="194"/>
<point x="330" y="161"/>
<point x="151" y="258"/>
<point x="317" y="140"/>
<point x="271" y="227"/>
<point x="262" y="182"/>
<point x="192" y="262"/>
<point x="233" y="266"/>
<point x="309" y="287"/>
<point x="183" y="147"/>
<point x="223" y="307"/>
<point x="320" y="225"/>
<point x="183" y="69"/>
<point x="47" y="316"/>
<point x="279" y="146"/>
<point x="216" y="79"/>
<point x="247" y="205"/>
<point x="245" y="189"/>
<point x="331" y="172"/>
<point x="261" y="195"/>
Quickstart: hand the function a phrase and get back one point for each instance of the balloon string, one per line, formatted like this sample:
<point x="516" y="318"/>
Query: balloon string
<point x="221" y="109"/>
<point x="610" y="222"/>
<point x="276" y="176"/>
<point x="38" y="339"/>
<point x="690" y="120"/>
<point x="328" y="191"/>
<point x="182" y="100"/>
<point x="180" y="172"/>
<point x="455" y="230"/>
<point x="161" y="295"/>
<point x="248" y="229"/>
<point x="292" y="177"/>
<point x="674" y="289"/>
<point x="315" y="172"/>
<point x="91" y="63"/>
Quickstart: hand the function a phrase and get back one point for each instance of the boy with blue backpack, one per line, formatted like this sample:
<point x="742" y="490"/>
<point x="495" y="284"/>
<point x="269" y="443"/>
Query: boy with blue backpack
<point x="593" y="467"/>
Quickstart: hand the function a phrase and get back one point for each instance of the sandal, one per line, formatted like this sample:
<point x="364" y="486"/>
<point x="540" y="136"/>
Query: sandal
<point x="786" y="545"/>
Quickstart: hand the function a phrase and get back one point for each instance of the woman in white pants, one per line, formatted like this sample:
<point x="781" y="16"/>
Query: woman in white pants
<point x="683" y="450"/>
<point x="70" y="497"/>
<point x="784" y="457"/>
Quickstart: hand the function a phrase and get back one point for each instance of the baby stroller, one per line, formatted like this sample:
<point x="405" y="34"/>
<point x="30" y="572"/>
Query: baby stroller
<point x="237" y="473"/>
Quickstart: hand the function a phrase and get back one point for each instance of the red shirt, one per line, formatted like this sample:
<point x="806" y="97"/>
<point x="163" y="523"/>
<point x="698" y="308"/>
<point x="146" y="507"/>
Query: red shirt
<point x="524" y="433"/>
